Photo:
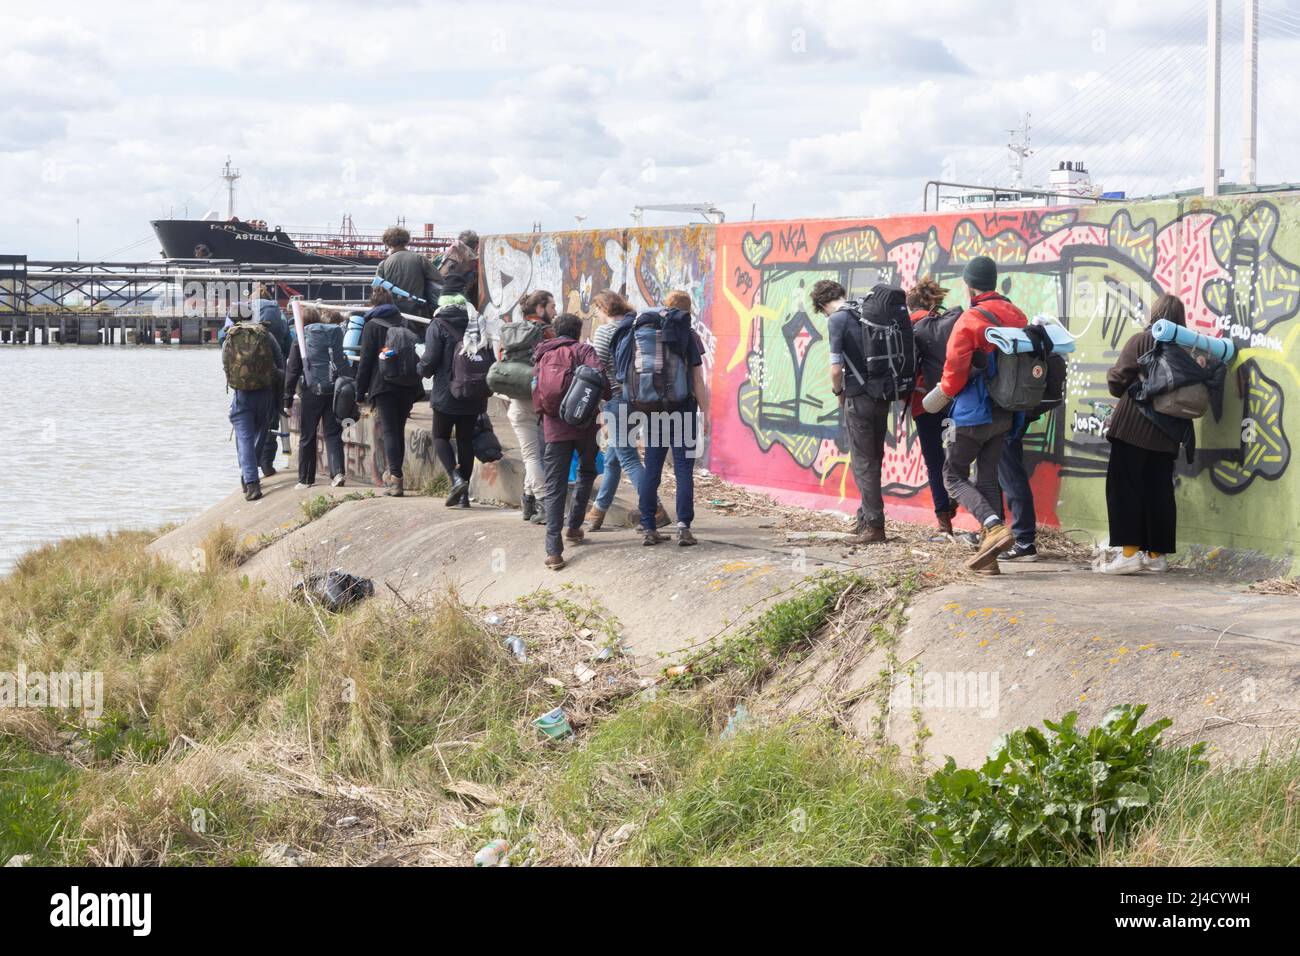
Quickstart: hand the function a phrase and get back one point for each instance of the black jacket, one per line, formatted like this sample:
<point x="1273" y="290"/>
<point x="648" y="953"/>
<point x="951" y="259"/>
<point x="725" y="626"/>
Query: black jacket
<point x="439" y="353"/>
<point x="370" y="377"/>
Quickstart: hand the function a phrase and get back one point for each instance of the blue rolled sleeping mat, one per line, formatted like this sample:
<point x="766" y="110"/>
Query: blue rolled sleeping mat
<point x="1222" y="349"/>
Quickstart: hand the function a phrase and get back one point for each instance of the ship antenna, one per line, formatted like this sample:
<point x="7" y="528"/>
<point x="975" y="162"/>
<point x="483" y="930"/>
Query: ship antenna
<point x="230" y="175"/>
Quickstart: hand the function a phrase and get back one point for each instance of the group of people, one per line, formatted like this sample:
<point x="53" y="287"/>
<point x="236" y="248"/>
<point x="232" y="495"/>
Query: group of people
<point x="652" y="363"/>
<point x="973" y="448"/>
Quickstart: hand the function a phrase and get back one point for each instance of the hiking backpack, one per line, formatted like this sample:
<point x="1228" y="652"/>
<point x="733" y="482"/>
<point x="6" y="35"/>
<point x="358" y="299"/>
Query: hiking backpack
<point x="318" y="369"/>
<point x="248" y="357"/>
<point x="1174" y="382"/>
<point x="397" y="359"/>
<point x="888" y="344"/>
<point x="552" y="378"/>
<point x="931" y="336"/>
<point x="1019" y="381"/>
<point x="652" y="361"/>
<point x="470" y="363"/>
<point x="512" y="376"/>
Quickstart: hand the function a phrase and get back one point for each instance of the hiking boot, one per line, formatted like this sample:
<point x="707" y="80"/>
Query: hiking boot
<point x="540" y="517"/>
<point x="528" y="506"/>
<point x="595" y="518"/>
<point x="684" y="537"/>
<point x="268" y="471"/>
<point x="252" y="491"/>
<point x="945" y="519"/>
<point x="393" y="486"/>
<point x="994" y="539"/>
<point x="991" y="569"/>
<point x="1026" y="553"/>
<point x="554" y="562"/>
<point x="574" y="534"/>
<point x="459" y="487"/>
<point x="661" y="517"/>
<point x="868" y="536"/>
<point x="337" y="481"/>
<point x="651" y="536"/>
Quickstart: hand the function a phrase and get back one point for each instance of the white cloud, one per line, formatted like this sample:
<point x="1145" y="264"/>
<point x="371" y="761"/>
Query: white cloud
<point x="500" y="115"/>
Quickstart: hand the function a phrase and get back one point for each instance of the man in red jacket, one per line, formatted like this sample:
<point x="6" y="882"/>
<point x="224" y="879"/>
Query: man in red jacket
<point x="563" y="439"/>
<point x="979" y="425"/>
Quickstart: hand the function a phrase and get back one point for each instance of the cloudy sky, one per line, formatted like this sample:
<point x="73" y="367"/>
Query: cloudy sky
<point x="499" y="115"/>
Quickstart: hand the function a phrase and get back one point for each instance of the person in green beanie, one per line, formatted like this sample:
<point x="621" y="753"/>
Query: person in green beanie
<point x="979" y="426"/>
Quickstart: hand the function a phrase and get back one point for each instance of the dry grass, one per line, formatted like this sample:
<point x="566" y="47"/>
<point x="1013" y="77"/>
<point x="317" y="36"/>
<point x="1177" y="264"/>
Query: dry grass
<point x="1286" y="586"/>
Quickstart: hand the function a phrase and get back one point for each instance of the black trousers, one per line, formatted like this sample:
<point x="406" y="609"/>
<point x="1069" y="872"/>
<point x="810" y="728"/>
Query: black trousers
<point x="557" y="460"/>
<point x="866" y="422"/>
<point x="1140" y="498"/>
<point x="461" y="461"/>
<point x="393" y="409"/>
<point x="313" y="411"/>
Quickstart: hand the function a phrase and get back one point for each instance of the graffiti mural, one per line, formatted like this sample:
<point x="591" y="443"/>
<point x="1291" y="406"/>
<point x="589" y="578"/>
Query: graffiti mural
<point x="643" y="264"/>
<point x="1097" y="269"/>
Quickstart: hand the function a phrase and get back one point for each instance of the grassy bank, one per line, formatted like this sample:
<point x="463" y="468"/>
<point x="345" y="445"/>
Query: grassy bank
<point x="240" y="727"/>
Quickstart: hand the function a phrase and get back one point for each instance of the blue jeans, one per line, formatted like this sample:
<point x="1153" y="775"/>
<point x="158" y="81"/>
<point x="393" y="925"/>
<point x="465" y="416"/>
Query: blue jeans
<point x="656" y="453"/>
<point x="1015" y="486"/>
<point x="619" y="460"/>
<point x="929" y="428"/>
<point x="251" y="414"/>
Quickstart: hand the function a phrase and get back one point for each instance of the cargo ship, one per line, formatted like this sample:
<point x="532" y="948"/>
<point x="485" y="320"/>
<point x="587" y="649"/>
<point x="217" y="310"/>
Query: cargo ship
<point x="252" y="241"/>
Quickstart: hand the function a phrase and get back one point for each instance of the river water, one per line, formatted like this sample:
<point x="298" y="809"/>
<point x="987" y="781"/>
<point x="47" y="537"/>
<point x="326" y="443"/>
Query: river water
<point x="104" y="437"/>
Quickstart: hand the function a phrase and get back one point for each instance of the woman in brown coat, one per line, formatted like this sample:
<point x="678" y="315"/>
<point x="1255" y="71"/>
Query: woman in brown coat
<point x="1140" y="473"/>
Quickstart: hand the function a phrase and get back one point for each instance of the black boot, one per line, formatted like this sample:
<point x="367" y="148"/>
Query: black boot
<point x="529" y="503"/>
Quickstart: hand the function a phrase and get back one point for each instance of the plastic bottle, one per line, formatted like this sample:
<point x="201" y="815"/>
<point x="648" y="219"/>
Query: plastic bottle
<point x="493" y="854"/>
<point x="516" y="647"/>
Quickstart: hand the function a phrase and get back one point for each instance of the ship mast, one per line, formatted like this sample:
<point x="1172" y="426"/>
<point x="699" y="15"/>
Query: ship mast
<point x="1019" y="148"/>
<point x="230" y="175"/>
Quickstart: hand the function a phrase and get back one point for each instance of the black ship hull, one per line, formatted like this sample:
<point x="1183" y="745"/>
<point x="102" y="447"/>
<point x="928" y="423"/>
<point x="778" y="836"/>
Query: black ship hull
<point x="240" y="242"/>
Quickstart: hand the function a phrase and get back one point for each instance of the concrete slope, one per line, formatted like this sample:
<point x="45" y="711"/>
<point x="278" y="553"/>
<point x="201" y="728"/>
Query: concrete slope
<point x="667" y="598"/>
<point x="987" y="655"/>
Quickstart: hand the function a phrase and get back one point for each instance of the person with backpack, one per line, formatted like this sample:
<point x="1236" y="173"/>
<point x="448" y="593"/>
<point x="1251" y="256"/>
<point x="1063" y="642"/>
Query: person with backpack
<point x="980" y="424"/>
<point x="931" y="327"/>
<point x="263" y="308"/>
<point x="567" y="394"/>
<point x="409" y="271"/>
<point x="313" y="380"/>
<point x="621" y="453"/>
<point x="252" y="360"/>
<point x="660" y="361"/>
<point x="872" y="365"/>
<point x="512" y="376"/>
<point x="1140" y="502"/>
<point x="457" y="356"/>
<point x="388" y="377"/>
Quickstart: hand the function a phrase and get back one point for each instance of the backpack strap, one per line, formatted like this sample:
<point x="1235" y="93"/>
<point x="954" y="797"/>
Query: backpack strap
<point x="988" y="315"/>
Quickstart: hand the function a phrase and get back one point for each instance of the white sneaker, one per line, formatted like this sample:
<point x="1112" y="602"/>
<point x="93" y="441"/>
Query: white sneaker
<point x="1159" y="565"/>
<point x="337" y="481"/>
<point x="1118" y="564"/>
<point x="300" y="486"/>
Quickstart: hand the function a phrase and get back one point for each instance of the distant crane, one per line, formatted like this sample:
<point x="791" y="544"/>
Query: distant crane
<point x="708" y="210"/>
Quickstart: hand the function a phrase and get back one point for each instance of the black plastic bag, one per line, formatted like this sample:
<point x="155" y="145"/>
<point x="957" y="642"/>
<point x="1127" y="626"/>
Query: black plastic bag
<point x="335" y="590"/>
<point x="487" y="447"/>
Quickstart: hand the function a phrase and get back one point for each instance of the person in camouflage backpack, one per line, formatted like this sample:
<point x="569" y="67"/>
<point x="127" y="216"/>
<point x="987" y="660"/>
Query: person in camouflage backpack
<point x="253" y="362"/>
